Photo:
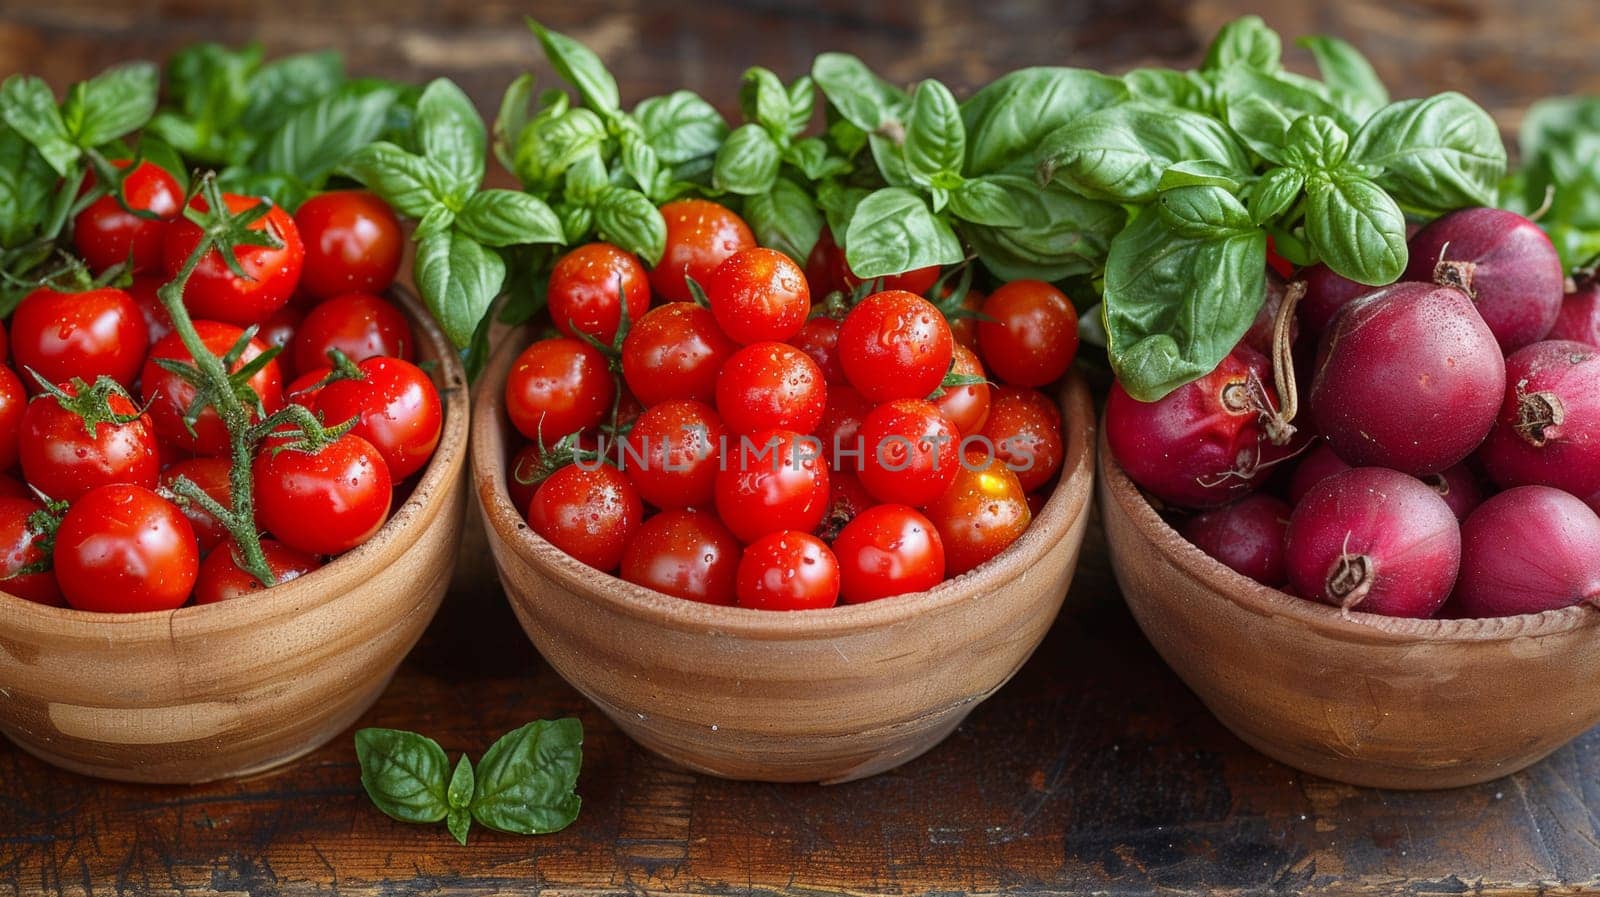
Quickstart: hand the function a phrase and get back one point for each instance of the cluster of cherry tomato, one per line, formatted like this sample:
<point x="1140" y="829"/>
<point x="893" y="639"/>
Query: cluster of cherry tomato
<point x="792" y="452"/>
<point x="96" y="415"/>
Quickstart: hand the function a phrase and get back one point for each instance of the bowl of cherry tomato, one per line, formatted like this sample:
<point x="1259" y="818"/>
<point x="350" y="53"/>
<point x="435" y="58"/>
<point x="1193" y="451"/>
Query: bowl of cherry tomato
<point x="695" y="526"/>
<point x="135" y="643"/>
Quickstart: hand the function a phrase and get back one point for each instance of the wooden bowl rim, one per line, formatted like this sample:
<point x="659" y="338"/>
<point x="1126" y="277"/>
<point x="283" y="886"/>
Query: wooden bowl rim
<point x="1071" y="499"/>
<point x="1222" y="582"/>
<point x="398" y="533"/>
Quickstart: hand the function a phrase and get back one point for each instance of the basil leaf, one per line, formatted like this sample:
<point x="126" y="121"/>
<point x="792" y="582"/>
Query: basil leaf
<point x="508" y="217"/>
<point x="1349" y="74"/>
<point x="459" y="821"/>
<point x="893" y="231"/>
<point x="1260" y="108"/>
<point x="838" y="203"/>
<point x="785" y="219"/>
<point x="890" y="158"/>
<point x="580" y="67"/>
<point x="747" y="163"/>
<point x="681" y="126"/>
<point x="550" y="145"/>
<point x="629" y="219"/>
<point x="1316" y="142"/>
<point x="983" y="201"/>
<point x="864" y="99"/>
<point x="1355" y="227"/>
<point x="404" y="773"/>
<point x="1186" y="90"/>
<point x="1006" y="120"/>
<point x="526" y="780"/>
<point x="1245" y="42"/>
<point x="1176" y="305"/>
<point x="26" y="184"/>
<point x="1061" y="235"/>
<point x="209" y="90"/>
<point x="412" y="184"/>
<point x="1199" y="173"/>
<point x="1275" y="193"/>
<point x="113" y="103"/>
<point x="810" y="155"/>
<point x="459" y="793"/>
<point x="451" y="134"/>
<point x="458" y="278"/>
<point x="1120" y="153"/>
<point x="512" y="118"/>
<point x="764" y="101"/>
<point x="319" y="138"/>
<point x="438" y="220"/>
<point x="577" y="220"/>
<point x="1203" y="212"/>
<point x="1434" y="154"/>
<point x="802" y="104"/>
<point x="28" y="106"/>
<point x="936" y="138"/>
<point x="283" y="86"/>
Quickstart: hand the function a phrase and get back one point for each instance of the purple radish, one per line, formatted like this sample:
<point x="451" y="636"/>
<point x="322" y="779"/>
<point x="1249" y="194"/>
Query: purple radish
<point x="1528" y="550"/>
<point x="1548" y="432"/>
<point x="1504" y="261"/>
<point x="1247" y="536"/>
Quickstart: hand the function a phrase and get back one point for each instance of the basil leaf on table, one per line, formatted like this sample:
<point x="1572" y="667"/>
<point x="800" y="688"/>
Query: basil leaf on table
<point x="1245" y="42"/>
<point x="458" y="278"/>
<point x="451" y="134"/>
<point x="786" y="219"/>
<point x="580" y="67"/>
<point x="405" y="774"/>
<point x="1061" y="233"/>
<point x="1355" y="227"/>
<point x="1435" y="154"/>
<point x="748" y="161"/>
<point x="1348" y="74"/>
<point x="459" y="796"/>
<point x="1119" y="154"/>
<point x="936" y="138"/>
<point x="894" y="231"/>
<point x="507" y="217"/>
<point x="1006" y="120"/>
<point x="526" y="780"/>
<point x="629" y="219"/>
<point x="113" y="103"/>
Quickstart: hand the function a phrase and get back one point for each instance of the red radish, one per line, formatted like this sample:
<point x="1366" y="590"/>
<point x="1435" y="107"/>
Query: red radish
<point x="1318" y="464"/>
<point x="1247" y="536"/>
<point x="1579" y="319"/>
<point x="1459" y="487"/>
<point x="1326" y="295"/>
<point x="1504" y="261"/>
<point x="1548" y="433"/>
<point x="1409" y="377"/>
<point x="1377" y="541"/>
<point x="1527" y="550"/>
<point x="1206" y="443"/>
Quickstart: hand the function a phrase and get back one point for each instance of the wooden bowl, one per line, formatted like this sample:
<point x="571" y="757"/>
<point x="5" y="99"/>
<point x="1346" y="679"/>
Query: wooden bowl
<point x="829" y="695"/>
<point x="204" y="693"/>
<point x="1369" y="700"/>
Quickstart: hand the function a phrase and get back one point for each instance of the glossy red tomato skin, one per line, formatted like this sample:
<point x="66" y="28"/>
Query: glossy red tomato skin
<point x="396" y="409"/>
<point x="588" y="287"/>
<point x="13" y="406"/>
<point x="214" y="292"/>
<point x="770" y="385"/>
<point x="759" y="295"/>
<point x="589" y="512"/>
<point x="20" y="548"/>
<point x="675" y="352"/>
<point x="323" y="503"/>
<point x="788" y="570"/>
<point x="685" y="554"/>
<point x="11" y="487"/>
<point x="672" y="453"/>
<point x="358" y="324"/>
<point x="840" y="428"/>
<point x="827" y="270"/>
<point x="157" y="323"/>
<point x="211" y="474"/>
<point x="700" y="235"/>
<point x="85" y="335"/>
<point x="556" y="387"/>
<point x="278" y="331"/>
<point x="819" y="338"/>
<point x="221" y="578"/>
<point x="966" y="406"/>
<point x="353" y="243"/>
<point x="1024" y="426"/>
<point x="63" y="460"/>
<point x="911" y="452"/>
<point x="771" y="480"/>
<point x="847" y="498"/>
<point x="522" y="475"/>
<point x="980" y="515"/>
<point x="888" y="550"/>
<point x="895" y="345"/>
<point x="104" y="234"/>
<point x="1030" y="333"/>
<point x="168" y="396"/>
<point x="964" y="327"/>
<point x="124" y="549"/>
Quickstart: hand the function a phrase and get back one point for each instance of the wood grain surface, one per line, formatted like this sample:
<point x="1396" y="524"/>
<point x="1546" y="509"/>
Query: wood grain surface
<point x="1094" y="770"/>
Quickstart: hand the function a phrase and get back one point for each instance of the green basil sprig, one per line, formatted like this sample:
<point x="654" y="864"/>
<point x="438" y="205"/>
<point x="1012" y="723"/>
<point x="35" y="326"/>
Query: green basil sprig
<point x="524" y="784"/>
<point x="1558" y="180"/>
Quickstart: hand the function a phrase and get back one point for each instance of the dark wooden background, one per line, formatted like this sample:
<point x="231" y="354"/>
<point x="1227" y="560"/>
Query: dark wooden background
<point x="1095" y="770"/>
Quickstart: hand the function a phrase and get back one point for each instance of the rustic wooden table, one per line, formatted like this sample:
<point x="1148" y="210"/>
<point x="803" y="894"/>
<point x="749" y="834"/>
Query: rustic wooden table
<point x="1095" y="770"/>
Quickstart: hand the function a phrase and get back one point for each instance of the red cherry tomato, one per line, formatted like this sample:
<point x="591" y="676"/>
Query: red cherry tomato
<point x="169" y="396"/>
<point x="587" y="289"/>
<point x="772" y="480"/>
<point x="124" y="549"/>
<point x="279" y="331"/>
<point x="895" y="345"/>
<point x="1024" y="427"/>
<point x="965" y="406"/>
<point x="212" y="475"/>
<point x="20" y="548"/>
<point x="11" y="487"/>
<point x="840" y="430"/>
<point x="847" y="498"/>
<point x="323" y="503"/>
<point x="912" y="453"/>
<point x="556" y="387"/>
<point x="352" y="242"/>
<point x="686" y="554"/>
<point x="522" y="475"/>
<point x="85" y="335"/>
<point x="157" y="323"/>
<point x="214" y="292"/>
<point x="672" y="453"/>
<point x="13" y="404"/>
<point x="759" y="295"/>
<point x="788" y="571"/>
<point x="980" y="515"/>
<point x="1029" y="334"/>
<point x="105" y="234"/>
<point x="827" y="270"/>
<point x="221" y="578"/>
<point x="700" y="235"/>
<point x="590" y="513"/>
<point x="359" y="325"/>
<point x="64" y="457"/>
<point x="767" y="385"/>
<point x="819" y="338"/>
<point x="396" y="409"/>
<point x="675" y="352"/>
<point x="964" y="327"/>
<point x="888" y="550"/>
